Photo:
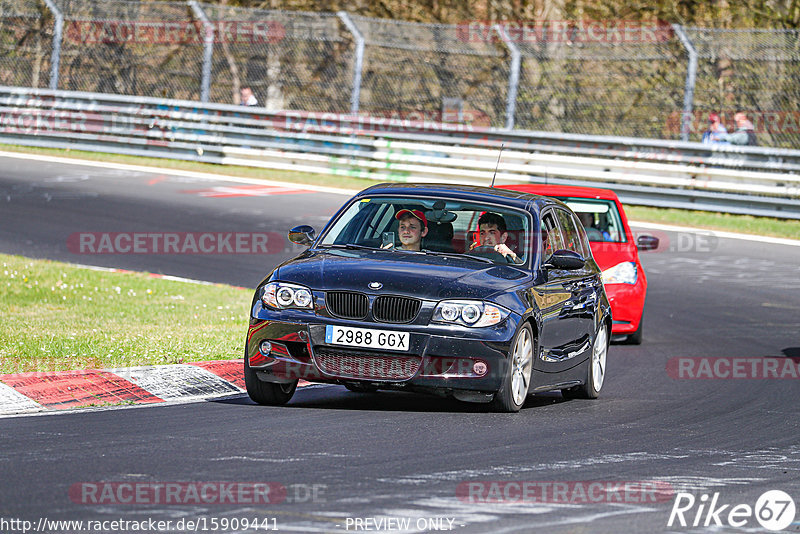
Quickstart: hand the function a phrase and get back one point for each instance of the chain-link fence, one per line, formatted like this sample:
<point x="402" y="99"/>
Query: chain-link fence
<point x="601" y="88"/>
<point x="134" y="48"/>
<point x="581" y="77"/>
<point x="26" y="43"/>
<point x="429" y="72"/>
<point x="289" y="60"/>
<point x="756" y="71"/>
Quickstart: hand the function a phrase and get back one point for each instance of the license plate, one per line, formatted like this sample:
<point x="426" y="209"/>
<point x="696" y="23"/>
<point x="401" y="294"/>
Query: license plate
<point x="367" y="338"/>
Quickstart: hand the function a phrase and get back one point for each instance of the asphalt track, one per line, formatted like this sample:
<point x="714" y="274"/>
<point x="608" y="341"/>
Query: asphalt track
<point x="403" y="456"/>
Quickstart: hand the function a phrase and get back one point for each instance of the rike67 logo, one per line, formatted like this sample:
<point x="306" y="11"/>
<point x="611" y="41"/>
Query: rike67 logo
<point x="774" y="510"/>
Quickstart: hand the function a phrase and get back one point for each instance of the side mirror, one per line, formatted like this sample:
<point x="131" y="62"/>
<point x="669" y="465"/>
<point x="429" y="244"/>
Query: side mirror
<point x="302" y="235"/>
<point x="646" y="242"/>
<point x="565" y="260"/>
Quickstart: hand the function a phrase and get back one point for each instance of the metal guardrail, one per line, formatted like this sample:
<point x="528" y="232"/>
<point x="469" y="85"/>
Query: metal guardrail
<point x="752" y="180"/>
<point x="642" y="78"/>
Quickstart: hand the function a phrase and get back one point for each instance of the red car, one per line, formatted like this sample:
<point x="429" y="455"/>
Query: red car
<point x="614" y="249"/>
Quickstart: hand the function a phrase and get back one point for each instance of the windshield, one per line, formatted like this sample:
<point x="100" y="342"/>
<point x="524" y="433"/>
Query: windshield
<point x="600" y="219"/>
<point x="440" y="226"/>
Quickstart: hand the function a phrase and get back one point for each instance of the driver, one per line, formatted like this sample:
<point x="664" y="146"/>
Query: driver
<point x="494" y="233"/>
<point x="587" y="220"/>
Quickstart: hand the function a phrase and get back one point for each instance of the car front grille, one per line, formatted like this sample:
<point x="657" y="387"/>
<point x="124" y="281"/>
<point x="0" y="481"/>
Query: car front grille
<point x="347" y="305"/>
<point x="377" y="366"/>
<point x="395" y="309"/>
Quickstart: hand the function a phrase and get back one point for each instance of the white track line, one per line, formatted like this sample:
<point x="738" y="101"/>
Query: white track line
<point x="179" y="172"/>
<point x="717" y="233"/>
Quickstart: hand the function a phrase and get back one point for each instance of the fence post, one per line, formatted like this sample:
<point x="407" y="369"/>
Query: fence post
<point x="208" y="49"/>
<point x="55" y="56"/>
<point x="513" y="75"/>
<point x="355" y="96"/>
<point x="691" y="77"/>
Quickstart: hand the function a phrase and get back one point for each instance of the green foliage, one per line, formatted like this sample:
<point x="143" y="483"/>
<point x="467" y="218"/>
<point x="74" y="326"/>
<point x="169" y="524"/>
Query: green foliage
<point x="59" y="317"/>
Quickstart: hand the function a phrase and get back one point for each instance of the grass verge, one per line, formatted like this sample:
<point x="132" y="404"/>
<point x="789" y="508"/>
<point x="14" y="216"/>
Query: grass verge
<point x="59" y="317"/>
<point x="701" y="219"/>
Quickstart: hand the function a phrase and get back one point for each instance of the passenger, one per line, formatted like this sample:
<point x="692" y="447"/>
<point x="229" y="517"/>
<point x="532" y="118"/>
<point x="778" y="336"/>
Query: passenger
<point x="494" y="233"/>
<point x="412" y="228"/>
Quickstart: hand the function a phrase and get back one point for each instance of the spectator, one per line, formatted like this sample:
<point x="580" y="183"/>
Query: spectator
<point x="745" y="134"/>
<point x="716" y="131"/>
<point x="248" y="98"/>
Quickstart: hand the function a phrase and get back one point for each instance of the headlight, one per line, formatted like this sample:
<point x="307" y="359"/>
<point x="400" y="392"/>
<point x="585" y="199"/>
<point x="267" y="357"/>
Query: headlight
<point x="621" y="273"/>
<point x="450" y="312"/>
<point x="281" y="295"/>
<point x="469" y="313"/>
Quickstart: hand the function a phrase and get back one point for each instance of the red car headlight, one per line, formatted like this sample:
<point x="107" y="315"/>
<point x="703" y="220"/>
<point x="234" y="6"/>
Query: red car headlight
<point x="622" y="273"/>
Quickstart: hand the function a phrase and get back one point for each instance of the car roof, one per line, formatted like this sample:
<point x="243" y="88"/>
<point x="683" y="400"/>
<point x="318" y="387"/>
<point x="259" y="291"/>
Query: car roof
<point x="564" y="191"/>
<point x="509" y="197"/>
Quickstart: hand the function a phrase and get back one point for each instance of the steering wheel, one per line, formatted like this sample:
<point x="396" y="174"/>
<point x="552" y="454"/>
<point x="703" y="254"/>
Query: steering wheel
<point x="488" y="251"/>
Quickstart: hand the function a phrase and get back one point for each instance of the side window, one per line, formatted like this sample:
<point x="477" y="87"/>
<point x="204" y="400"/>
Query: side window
<point x="572" y="237"/>
<point x="551" y="239"/>
<point x="585" y="250"/>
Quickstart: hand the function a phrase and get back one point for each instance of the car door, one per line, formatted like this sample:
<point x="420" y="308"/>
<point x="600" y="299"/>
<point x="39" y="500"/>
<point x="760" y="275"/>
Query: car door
<point x="552" y="298"/>
<point x="580" y="309"/>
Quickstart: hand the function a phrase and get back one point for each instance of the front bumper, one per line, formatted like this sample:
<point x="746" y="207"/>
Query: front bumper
<point x="627" y="305"/>
<point x="437" y="358"/>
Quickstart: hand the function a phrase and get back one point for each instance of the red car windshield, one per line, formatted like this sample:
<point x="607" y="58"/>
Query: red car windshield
<point x="600" y="218"/>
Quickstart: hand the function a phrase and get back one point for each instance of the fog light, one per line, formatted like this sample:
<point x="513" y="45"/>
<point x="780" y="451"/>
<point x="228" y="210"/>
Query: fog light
<point x="480" y="368"/>
<point x="265" y="347"/>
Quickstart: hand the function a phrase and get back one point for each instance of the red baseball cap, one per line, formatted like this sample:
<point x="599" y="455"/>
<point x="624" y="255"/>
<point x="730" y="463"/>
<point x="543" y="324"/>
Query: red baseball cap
<point x="713" y="117"/>
<point x="414" y="213"/>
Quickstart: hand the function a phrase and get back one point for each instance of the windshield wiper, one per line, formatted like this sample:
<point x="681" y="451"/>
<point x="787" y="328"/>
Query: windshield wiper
<point x="349" y="246"/>
<point x="458" y="255"/>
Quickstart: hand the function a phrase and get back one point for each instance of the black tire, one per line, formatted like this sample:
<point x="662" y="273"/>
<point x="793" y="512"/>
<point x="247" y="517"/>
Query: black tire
<point x="512" y="393"/>
<point x="636" y="337"/>
<point x="266" y="393"/>
<point x="590" y="389"/>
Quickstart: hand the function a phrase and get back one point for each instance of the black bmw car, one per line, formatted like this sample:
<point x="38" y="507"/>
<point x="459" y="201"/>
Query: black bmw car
<point x="487" y="295"/>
